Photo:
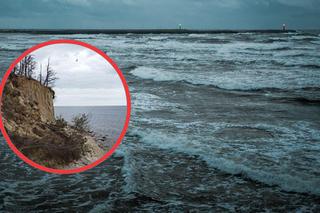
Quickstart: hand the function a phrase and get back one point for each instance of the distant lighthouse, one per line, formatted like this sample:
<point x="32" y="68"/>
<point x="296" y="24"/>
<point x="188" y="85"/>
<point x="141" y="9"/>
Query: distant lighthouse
<point x="180" y="26"/>
<point x="284" y="28"/>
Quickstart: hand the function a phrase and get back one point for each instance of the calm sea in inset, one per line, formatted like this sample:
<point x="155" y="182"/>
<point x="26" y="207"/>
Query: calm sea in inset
<point x="220" y="122"/>
<point x="103" y="120"/>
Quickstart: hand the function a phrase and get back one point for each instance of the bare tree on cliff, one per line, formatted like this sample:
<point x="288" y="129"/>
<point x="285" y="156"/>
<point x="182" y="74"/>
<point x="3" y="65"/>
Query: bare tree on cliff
<point x="30" y="66"/>
<point x="50" y="76"/>
<point x="18" y="69"/>
<point x="26" y="67"/>
<point x="40" y="77"/>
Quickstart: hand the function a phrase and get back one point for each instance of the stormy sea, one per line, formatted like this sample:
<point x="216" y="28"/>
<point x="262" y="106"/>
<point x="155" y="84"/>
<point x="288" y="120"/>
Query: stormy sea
<point x="220" y="122"/>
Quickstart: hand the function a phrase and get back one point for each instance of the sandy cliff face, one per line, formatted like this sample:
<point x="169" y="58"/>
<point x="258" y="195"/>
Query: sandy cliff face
<point x="26" y="103"/>
<point x="39" y="96"/>
<point x="28" y="116"/>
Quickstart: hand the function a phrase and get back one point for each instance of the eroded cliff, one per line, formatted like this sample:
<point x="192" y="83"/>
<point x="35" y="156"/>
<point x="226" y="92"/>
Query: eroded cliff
<point x="28" y="117"/>
<point x="26" y="103"/>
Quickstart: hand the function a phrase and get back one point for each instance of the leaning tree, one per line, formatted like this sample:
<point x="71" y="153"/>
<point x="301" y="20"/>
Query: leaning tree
<point x="50" y="76"/>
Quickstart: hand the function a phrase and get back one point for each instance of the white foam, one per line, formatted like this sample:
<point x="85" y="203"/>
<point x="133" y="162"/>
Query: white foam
<point x="154" y="74"/>
<point x="234" y="80"/>
<point x="128" y="172"/>
<point x="199" y="35"/>
<point x="236" y="162"/>
<point x="149" y="102"/>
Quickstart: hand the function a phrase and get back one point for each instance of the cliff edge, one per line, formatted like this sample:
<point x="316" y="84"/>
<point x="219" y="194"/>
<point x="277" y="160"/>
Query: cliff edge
<point x="28" y="117"/>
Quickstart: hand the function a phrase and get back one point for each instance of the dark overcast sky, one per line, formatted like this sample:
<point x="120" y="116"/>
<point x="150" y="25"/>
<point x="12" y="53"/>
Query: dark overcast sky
<point x="193" y="14"/>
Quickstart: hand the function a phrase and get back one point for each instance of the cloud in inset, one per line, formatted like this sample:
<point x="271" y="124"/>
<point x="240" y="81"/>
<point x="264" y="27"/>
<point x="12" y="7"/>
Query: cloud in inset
<point x="84" y="77"/>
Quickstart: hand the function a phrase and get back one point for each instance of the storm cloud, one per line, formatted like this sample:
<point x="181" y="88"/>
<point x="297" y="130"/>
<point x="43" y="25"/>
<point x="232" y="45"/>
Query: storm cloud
<point x="200" y="14"/>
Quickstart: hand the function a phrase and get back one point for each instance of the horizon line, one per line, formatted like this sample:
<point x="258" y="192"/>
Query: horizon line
<point x="175" y="28"/>
<point x="141" y="31"/>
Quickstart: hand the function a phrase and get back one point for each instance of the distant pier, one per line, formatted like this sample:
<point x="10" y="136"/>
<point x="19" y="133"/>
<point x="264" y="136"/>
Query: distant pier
<point x="136" y="31"/>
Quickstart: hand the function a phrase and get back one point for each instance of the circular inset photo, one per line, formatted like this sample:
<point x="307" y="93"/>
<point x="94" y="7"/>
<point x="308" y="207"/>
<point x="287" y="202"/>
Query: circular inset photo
<point x="65" y="106"/>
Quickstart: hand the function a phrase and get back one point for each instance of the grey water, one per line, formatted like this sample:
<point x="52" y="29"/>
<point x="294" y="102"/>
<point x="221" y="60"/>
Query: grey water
<point x="219" y="122"/>
<point x="104" y="121"/>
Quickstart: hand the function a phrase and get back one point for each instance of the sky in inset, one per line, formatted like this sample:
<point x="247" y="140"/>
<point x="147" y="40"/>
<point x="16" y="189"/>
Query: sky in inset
<point x="200" y="14"/>
<point x="85" y="78"/>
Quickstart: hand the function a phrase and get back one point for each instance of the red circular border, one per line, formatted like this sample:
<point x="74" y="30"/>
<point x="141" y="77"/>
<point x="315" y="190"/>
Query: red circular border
<point x="123" y="132"/>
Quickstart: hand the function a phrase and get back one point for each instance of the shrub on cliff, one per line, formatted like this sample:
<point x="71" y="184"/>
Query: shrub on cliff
<point x="81" y="122"/>
<point x="61" y="122"/>
<point x="52" y="150"/>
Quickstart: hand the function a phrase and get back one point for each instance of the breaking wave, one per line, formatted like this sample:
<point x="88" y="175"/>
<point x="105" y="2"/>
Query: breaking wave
<point x="183" y="144"/>
<point x="250" y="80"/>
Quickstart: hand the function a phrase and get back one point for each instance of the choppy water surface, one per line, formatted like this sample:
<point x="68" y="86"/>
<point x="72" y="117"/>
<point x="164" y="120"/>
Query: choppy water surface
<point x="223" y="122"/>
